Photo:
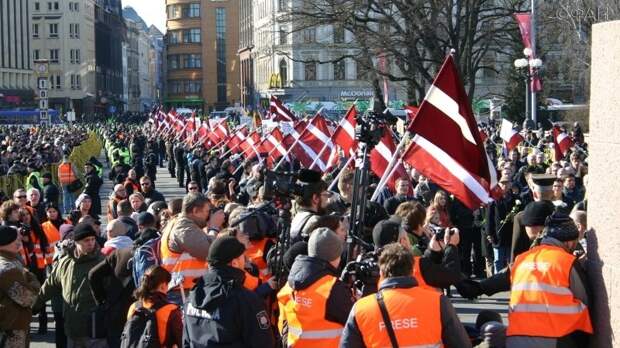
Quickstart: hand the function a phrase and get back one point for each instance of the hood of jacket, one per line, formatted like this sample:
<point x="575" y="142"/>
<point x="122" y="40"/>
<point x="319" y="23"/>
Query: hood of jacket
<point x="217" y="285"/>
<point x="306" y="270"/>
<point x="120" y="242"/>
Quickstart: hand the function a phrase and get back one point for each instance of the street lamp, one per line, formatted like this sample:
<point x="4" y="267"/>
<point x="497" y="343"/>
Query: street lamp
<point x="529" y="68"/>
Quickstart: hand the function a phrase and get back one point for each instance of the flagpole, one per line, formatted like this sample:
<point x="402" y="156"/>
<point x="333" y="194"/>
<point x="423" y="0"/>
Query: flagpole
<point x="378" y="190"/>
<point x="335" y="181"/>
<point x="295" y="143"/>
<point x="392" y="164"/>
<point x="327" y="144"/>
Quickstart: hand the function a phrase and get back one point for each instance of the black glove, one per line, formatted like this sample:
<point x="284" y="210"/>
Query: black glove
<point x="469" y="289"/>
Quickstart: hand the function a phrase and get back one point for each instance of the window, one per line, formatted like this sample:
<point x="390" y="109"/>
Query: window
<point x="173" y="62"/>
<point x="191" y="10"/>
<point x="74" y="56"/>
<point x="339" y="70"/>
<point x="220" y="48"/>
<point x="76" y="7"/>
<point x="191" y="36"/>
<point x="54" y="56"/>
<point x="192" y="61"/>
<point x="283" y="71"/>
<point x="310" y="71"/>
<point x="37" y="6"/>
<point x="282" y="36"/>
<point x="70" y="6"/>
<point x="309" y="35"/>
<point x="56" y="6"/>
<point x="55" y="81"/>
<point x="35" y="30"/>
<point x="175" y="87"/>
<point x="282" y="5"/>
<point x="362" y="72"/>
<point x="49" y="6"/>
<point x="173" y="37"/>
<point x="193" y="87"/>
<point x="74" y="30"/>
<point x="338" y="34"/>
<point x="174" y="11"/>
<point x="53" y="29"/>
<point x="36" y="54"/>
<point x="76" y="81"/>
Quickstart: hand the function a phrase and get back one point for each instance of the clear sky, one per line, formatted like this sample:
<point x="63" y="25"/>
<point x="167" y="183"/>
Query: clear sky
<point x="152" y="11"/>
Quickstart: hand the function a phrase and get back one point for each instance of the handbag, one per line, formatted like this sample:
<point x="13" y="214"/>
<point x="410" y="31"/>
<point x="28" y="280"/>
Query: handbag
<point x="75" y="185"/>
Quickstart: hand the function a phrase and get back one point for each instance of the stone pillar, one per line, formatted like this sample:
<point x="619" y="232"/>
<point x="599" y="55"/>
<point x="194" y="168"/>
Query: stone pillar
<point x="603" y="184"/>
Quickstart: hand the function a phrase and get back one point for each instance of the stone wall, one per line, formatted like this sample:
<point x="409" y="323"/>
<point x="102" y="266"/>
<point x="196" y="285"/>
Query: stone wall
<point x="603" y="184"/>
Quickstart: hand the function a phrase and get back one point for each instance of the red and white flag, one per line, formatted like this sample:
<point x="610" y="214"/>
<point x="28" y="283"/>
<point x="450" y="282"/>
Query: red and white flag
<point x="315" y="137"/>
<point x="237" y="138"/>
<point x="380" y="158"/>
<point x="446" y="146"/>
<point x="411" y="112"/>
<point x="250" y="146"/>
<point x="273" y="143"/>
<point x="561" y="143"/>
<point x="219" y="132"/>
<point x="334" y="159"/>
<point x="344" y="136"/>
<point x="279" y="112"/>
<point x="511" y="137"/>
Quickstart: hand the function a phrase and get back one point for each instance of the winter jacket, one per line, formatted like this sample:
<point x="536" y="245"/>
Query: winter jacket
<point x="18" y="291"/>
<point x="222" y="313"/>
<point x="69" y="278"/>
<point x="186" y="236"/>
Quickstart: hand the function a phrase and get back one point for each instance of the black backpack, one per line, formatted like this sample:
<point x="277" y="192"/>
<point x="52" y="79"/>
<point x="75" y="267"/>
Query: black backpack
<point x="140" y="331"/>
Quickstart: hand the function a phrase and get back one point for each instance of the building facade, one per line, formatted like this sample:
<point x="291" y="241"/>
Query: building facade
<point x="16" y="75"/>
<point x="110" y="32"/>
<point x="63" y="32"/>
<point x="286" y="59"/>
<point x="246" y="61"/>
<point x="202" y="66"/>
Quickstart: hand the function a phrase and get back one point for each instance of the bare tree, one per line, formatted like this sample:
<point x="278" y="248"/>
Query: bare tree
<point x="412" y="36"/>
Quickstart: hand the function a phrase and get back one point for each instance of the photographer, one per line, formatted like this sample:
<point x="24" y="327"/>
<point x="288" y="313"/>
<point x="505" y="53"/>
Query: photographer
<point x="314" y="303"/>
<point x="413" y="316"/>
<point x="310" y="203"/>
<point x="440" y="265"/>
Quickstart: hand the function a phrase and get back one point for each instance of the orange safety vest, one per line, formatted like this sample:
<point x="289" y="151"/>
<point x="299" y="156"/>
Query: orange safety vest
<point x="66" y="174"/>
<point x="541" y="302"/>
<point x="256" y="253"/>
<point x="414" y="312"/>
<point x="53" y="236"/>
<point x="184" y="264"/>
<point x="304" y="312"/>
<point x="250" y="282"/>
<point x="162" y="316"/>
<point x="40" y="255"/>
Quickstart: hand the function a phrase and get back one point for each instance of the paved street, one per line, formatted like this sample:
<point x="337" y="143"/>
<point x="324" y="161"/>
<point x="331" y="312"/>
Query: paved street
<point x="168" y="186"/>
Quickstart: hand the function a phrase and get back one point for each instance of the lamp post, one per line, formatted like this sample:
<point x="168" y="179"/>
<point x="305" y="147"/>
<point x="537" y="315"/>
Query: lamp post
<point x="529" y="67"/>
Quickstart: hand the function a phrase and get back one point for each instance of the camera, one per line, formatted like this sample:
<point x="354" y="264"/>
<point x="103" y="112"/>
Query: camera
<point x="439" y="231"/>
<point x="24" y="229"/>
<point x="281" y="184"/>
<point x="369" y="128"/>
<point x="363" y="273"/>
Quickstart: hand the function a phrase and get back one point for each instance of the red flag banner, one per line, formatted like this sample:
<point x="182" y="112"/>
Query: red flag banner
<point x="279" y="112"/>
<point x="511" y="137"/>
<point x="447" y="147"/>
<point x="344" y="136"/>
<point x="524" y="20"/>
<point x="561" y="143"/>
<point x="380" y="158"/>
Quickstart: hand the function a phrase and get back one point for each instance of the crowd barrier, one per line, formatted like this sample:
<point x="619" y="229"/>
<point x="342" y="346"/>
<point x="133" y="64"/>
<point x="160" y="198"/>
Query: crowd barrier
<point x="79" y="155"/>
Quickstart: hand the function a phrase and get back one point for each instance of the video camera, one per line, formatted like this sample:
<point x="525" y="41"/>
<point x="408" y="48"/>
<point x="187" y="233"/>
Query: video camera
<point x="369" y="128"/>
<point x="439" y="231"/>
<point x="363" y="273"/>
<point x="289" y="184"/>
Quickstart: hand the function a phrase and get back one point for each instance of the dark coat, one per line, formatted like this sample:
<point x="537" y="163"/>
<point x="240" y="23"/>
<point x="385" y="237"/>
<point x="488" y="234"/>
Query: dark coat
<point x="222" y="313"/>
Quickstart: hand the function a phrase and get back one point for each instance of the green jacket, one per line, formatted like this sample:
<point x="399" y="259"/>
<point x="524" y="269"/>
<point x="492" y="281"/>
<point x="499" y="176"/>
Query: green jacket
<point x="69" y="278"/>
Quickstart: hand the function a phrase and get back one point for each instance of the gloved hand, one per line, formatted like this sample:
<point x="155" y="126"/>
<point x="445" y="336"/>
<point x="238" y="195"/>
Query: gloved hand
<point x="469" y="289"/>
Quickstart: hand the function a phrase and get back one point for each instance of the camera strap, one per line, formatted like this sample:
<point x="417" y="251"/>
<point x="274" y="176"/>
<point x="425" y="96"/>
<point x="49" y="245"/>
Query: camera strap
<point x="386" y="319"/>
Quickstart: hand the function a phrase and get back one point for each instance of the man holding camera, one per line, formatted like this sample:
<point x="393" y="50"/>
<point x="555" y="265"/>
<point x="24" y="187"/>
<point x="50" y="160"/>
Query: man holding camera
<point x="309" y="204"/>
<point x="402" y="313"/>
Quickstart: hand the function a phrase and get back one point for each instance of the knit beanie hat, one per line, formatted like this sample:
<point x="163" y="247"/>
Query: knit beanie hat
<point x="82" y="231"/>
<point x="66" y="231"/>
<point x="7" y="235"/>
<point x="224" y="249"/>
<point x="535" y="213"/>
<point x="561" y="227"/>
<point x="324" y="244"/>
<point x="385" y="232"/>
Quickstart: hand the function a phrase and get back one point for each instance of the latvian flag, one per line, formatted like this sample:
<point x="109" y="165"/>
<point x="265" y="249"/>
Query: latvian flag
<point x="344" y="136"/>
<point x="511" y="137"/>
<point x="279" y="112"/>
<point x="446" y="146"/>
<point x="561" y="143"/>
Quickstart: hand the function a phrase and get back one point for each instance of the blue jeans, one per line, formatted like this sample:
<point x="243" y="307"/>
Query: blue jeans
<point x="67" y="200"/>
<point x="501" y="255"/>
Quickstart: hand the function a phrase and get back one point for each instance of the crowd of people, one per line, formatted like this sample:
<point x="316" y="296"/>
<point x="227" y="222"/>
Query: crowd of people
<point x="217" y="268"/>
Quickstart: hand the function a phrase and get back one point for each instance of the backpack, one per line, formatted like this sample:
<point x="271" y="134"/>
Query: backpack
<point x="144" y="257"/>
<point x="140" y="331"/>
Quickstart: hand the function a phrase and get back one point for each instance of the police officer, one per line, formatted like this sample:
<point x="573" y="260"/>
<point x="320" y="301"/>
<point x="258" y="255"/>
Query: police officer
<point x="549" y="302"/>
<point x="220" y="311"/>
<point x="311" y="203"/>
<point x="314" y="303"/>
<point x="180" y="161"/>
<point x="402" y="314"/>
